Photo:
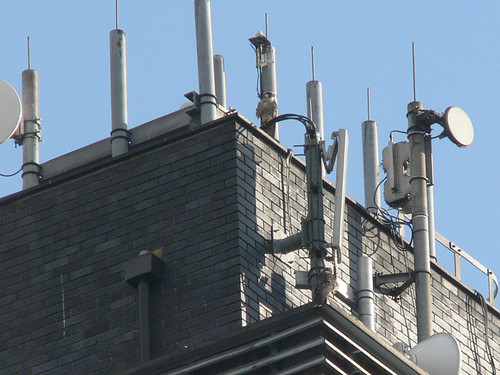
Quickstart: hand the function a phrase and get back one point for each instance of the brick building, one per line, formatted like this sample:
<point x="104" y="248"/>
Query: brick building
<point x="203" y="199"/>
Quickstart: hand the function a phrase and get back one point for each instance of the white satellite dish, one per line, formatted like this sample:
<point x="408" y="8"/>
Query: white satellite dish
<point x="438" y="355"/>
<point x="458" y="126"/>
<point x="10" y="111"/>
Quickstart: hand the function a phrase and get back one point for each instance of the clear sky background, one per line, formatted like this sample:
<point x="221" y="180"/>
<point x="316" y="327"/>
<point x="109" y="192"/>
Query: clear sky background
<point x="358" y="44"/>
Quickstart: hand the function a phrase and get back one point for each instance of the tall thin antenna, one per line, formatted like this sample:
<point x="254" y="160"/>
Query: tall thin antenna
<point x="368" y="102"/>
<point x="29" y="57"/>
<point x="267" y="26"/>
<point x="313" y="65"/>
<point x="414" y="73"/>
<point x="116" y="14"/>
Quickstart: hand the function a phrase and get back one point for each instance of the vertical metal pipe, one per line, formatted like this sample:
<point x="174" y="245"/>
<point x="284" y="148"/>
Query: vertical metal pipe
<point x="366" y="309"/>
<point x="31" y="136"/>
<point x="119" y="109"/>
<point x="220" y="80"/>
<point x="204" y="46"/>
<point x="269" y="82"/>
<point x="418" y="183"/>
<point x="314" y="228"/>
<point x="371" y="166"/>
<point x="432" y="225"/>
<point x="145" y="343"/>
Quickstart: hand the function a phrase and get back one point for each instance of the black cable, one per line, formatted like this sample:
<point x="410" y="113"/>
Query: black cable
<point x="12" y="174"/>
<point x="484" y="307"/>
<point x="307" y="122"/>
<point x="471" y="327"/>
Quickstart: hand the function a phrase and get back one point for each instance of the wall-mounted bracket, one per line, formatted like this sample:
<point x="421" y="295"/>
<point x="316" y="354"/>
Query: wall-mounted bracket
<point x="406" y="278"/>
<point x="193" y="97"/>
<point x="146" y="267"/>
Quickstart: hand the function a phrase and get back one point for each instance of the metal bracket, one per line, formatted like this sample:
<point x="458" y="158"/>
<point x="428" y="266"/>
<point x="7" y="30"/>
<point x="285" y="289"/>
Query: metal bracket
<point x="283" y="244"/>
<point x="406" y="278"/>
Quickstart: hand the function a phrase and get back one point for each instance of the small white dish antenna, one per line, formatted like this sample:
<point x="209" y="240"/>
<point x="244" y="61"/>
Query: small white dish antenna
<point x="438" y="355"/>
<point x="10" y="111"/>
<point x="458" y="126"/>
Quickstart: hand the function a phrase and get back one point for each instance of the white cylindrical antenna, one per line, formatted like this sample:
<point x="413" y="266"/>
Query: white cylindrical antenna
<point x="31" y="133"/>
<point x="119" y="109"/>
<point x="204" y="46"/>
<point x="371" y="166"/>
<point x="366" y="309"/>
<point x="269" y="81"/>
<point x="220" y="80"/>
<point x="314" y="93"/>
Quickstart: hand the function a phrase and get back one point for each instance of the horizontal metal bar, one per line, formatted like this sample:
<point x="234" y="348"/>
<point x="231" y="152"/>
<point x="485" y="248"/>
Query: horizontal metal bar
<point x="254" y="345"/>
<point x="359" y="348"/>
<point x="493" y="290"/>
<point x="262" y="362"/>
<point x="304" y="366"/>
<point x="347" y="358"/>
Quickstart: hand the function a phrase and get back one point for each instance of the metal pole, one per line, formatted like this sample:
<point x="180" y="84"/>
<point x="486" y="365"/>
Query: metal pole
<point x="220" y="80"/>
<point x="432" y="225"/>
<point x="145" y="343"/>
<point x="119" y="110"/>
<point x="365" y="292"/>
<point x="371" y="166"/>
<point x="314" y="228"/>
<point x="314" y="94"/>
<point x="31" y="136"/>
<point x="269" y="82"/>
<point x="204" y="46"/>
<point x="418" y="183"/>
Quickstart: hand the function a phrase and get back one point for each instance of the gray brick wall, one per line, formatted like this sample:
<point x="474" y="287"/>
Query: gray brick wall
<point x="209" y="199"/>
<point x="65" y="307"/>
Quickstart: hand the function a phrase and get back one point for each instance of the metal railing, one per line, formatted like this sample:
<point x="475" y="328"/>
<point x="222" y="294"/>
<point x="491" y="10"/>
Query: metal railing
<point x="458" y="254"/>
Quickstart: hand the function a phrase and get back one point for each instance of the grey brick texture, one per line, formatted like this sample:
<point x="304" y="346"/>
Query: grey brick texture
<point x="209" y="200"/>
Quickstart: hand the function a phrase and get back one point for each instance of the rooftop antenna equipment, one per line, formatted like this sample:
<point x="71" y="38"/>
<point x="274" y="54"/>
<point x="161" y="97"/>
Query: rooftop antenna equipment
<point x="10" y="111"/>
<point x="220" y="80"/>
<point x="420" y="217"/>
<point x="204" y="46"/>
<point x="266" y="68"/>
<point x="371" y="166"/>
<point x="314" y="94"/>
<point x="458" y="128"/>
<point x="29" y="135"/>
<point x="119" y="95"/>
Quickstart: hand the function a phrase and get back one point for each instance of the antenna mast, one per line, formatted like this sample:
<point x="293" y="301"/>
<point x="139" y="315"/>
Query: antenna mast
<point x="116" y="14"/>
<point x="368" y="101"/>
<point x="312" y="64"/>
<point x="29" y="57"/>
<point x="266" y="65"/>
<point x="29" y="136"/>
<point x="119" y="94"/>
<point x="414" y="72"/>
<point x="371" y="166"/>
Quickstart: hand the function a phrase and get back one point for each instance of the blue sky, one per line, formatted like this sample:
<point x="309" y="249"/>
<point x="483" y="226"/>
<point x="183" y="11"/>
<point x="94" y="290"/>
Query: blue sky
<point x="357" y="45"/>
